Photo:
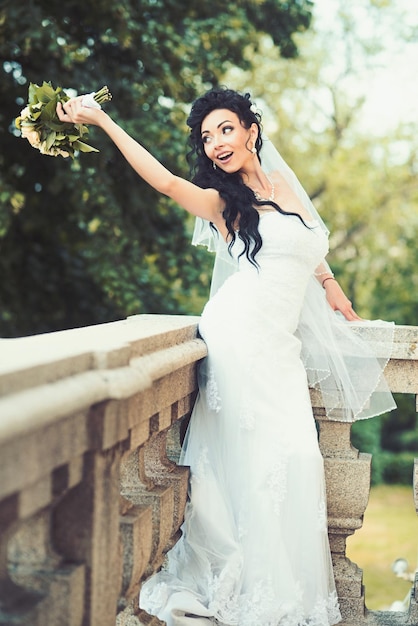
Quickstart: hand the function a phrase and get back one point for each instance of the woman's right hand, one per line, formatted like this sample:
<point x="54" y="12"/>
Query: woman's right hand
<point x="338" y="301"/>
<point x="75" y="112"/>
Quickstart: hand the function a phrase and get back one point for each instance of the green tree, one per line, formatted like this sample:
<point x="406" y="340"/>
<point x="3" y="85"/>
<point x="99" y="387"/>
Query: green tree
<point x="87" y="241"/>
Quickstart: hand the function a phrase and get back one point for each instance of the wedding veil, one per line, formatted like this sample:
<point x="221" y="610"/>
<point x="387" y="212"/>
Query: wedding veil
<point x="343" y="360"/>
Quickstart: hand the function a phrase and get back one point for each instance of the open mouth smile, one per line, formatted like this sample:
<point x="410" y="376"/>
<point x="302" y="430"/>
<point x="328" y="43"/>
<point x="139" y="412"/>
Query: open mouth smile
<point x="223" y="158"/>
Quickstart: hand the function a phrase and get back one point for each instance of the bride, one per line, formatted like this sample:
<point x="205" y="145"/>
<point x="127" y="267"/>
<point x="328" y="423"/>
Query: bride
<point x="254" y="547"/>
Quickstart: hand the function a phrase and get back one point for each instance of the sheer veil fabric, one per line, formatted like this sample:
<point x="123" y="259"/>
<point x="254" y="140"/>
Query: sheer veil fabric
<point x="345" y="367"/>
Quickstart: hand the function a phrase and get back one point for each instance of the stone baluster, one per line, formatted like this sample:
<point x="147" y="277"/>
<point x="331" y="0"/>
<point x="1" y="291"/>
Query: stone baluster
<point x="413" y="610"/>
<point x="38" y="585"/>
<point x="402" y="376"/>
<point x="347" y="474"/>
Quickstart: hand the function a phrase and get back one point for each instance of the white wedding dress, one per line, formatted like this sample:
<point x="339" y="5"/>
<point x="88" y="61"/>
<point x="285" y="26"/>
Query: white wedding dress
<point x="254" y="549"/>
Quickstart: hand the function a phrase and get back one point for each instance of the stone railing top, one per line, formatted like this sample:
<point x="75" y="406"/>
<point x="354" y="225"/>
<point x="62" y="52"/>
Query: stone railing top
<point x="91" y="347"/>
<point x="405" y="343"/>
<point x="26" y="361"/>
<point x="105" y="361"/>
<point x="102" y="351"/>
<point x="405" y="340"/>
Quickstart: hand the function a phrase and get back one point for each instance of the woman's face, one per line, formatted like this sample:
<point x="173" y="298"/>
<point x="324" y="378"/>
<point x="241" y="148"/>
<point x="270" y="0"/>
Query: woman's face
<point x="227" y="143"/>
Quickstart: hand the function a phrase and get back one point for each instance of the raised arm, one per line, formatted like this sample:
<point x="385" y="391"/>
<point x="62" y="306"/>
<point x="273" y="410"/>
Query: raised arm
<point x="205" y="203"/>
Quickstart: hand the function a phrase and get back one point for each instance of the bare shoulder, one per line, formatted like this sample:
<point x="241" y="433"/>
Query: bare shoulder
<point x="279" y="180"/>
<point x="216" y="206"/>
<point x="286" y="197"/>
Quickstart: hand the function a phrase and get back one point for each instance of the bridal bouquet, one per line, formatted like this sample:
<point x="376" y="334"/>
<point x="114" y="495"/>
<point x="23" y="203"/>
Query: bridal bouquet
<point x="38" y="122"/>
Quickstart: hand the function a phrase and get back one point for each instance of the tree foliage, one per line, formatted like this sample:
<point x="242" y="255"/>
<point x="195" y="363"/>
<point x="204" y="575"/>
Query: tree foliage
<point x="87" y="241"/>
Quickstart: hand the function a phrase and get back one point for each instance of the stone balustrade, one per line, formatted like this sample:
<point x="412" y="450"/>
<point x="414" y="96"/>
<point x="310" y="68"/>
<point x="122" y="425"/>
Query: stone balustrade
<point x="90" y="495"/>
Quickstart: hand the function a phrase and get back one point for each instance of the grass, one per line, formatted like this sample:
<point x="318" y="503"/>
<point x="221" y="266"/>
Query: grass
<point x="390" y="531"/>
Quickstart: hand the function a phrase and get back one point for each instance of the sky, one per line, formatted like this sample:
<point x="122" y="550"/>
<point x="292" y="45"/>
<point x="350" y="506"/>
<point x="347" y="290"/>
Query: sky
<point x="391" y="86"/>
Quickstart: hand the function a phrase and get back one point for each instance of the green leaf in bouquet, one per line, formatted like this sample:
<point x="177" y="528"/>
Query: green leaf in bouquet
<point x="82" y="129"/>
<point x="49" y="142"/>
<point x="35" y="115"/>
<point x="40" y="96"/>
<point x="49" y="111"/>
<point x="46" y="92"/>
<point x="62" y="96"/>
<point x="84" y="147"/>
<point x="60" y="127"/>
<point x="32" y="93"/>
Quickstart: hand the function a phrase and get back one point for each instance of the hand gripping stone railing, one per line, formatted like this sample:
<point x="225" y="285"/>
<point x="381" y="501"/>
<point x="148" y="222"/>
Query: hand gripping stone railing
<point x="90" y="498"/>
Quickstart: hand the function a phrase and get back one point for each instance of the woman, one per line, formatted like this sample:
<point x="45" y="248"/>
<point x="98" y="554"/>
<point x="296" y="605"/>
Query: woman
<point x="254" y="549"/>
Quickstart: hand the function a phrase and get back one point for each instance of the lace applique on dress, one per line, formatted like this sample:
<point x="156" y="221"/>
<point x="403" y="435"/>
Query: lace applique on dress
<point x="277" y="477"/>
<point x="325" y="611"/>
<point x="212" y="392"/>
<point x="247" y="418"/>
<point x="277" y="481"/>
<point x="257" y="607"/>
<point x="260" y="607"/>
<point x="202" y="464"/>
<point x="222" y="591"/>
<point x="333" y="608"/>
<point x="322" y="517"/>
<point x="242" y="523"/>
<point x="155" y="597"/>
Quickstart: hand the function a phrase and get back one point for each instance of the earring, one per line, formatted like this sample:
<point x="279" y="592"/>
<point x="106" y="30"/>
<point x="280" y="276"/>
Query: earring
<point x="214" y="165"/>
<point x="254" y="150"/>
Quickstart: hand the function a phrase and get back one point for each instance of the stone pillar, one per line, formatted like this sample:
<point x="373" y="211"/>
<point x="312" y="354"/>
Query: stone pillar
<point x="15" y="601"/>
<point x="347" y="474"/>
<point x="85" y="529"/>
<point x="413" y="609"/>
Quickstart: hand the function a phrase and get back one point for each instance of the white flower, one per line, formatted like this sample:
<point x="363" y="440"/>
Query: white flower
<point x="52" y="151"/>
<point x="28" y="132"/>
<point x="89" y="101"/>
<point x="253" y="108"/>
<point x="25" y="113"/>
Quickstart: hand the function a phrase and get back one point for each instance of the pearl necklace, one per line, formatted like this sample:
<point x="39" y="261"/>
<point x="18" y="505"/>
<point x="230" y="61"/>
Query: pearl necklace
<point x="271" y="196"/>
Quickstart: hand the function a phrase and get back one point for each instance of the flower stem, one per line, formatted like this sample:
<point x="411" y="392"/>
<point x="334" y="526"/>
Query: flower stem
<point x="103" y="95"/>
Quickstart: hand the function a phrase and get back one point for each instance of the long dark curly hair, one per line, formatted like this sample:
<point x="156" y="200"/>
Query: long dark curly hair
<point x="238" y="197"/>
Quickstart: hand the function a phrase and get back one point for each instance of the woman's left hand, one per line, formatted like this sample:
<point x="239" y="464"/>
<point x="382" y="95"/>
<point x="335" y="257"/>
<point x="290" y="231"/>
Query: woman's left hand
<point x="338" y="301"/>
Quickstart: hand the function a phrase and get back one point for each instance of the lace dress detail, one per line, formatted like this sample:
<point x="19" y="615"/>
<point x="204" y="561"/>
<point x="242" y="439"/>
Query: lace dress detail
<point x="212" y="392"/>
<point x="254" y="549"/>
<point x="247" y="417"/>
<point x="277" y="482"/>
<point x="156" y="597"/>
<point x="223" y="598"/>
<point x="202" y="465"/>
<point x="322" y="516"/>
